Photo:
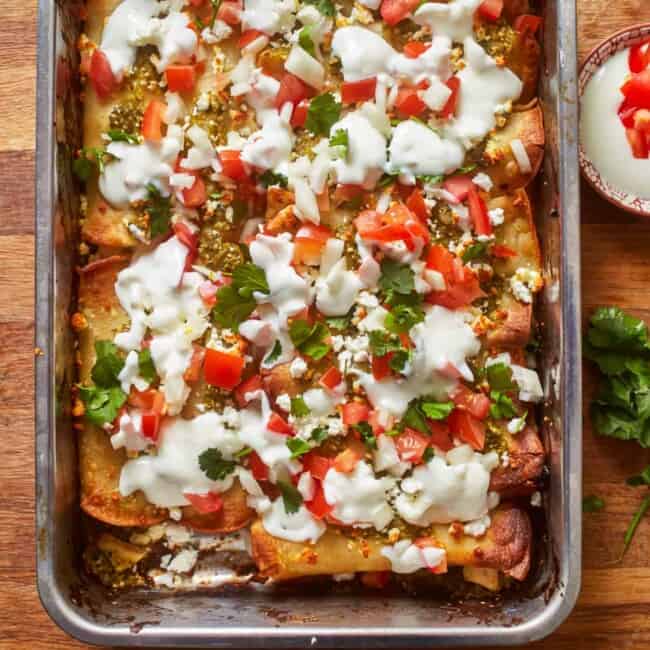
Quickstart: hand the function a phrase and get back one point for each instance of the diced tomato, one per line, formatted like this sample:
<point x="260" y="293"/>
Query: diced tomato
<point x="197" y="195"/>
<point x="196" y="3"/>
<point x="232" y="165"/>
<point x="101" y="75"/>
<point x="230" y="12"/>
<point x="180" y="78"/>
<point x="394" y="11"/>
<point x="205" y="503"/>
<point x="248" y="37"/>
<point x="331" y="378"/>
<point x="440" y="259"/>
<point x="152" y="120"/>
<point x="415" y="203"/>
<point x="251" y="385"/>
<point x="292" y="90"/>
<point x="411" y="445"/>
<point x="427" y="542"/>
<point x="637" y="89"/>
<point x="193" y="372"/>
<point x="208" y="292"/>
<point x="309" y="243"/>
<point x="347" y="192"/>
<point x="147" y="400"/>
<point x="460" y="293"/>
<point x="638" y="57"/>
<point x="278" y="424"/>
<point x="467" y="428"/>
<point x="318" y="506"/>
<point x="316" y="465"/>
<point x="478" y="212"/>
<point x="413" y="49"/>
<point x="637" y="142"/>
<point x="222" y="369"/>
<point x="408" y="102"/>
<point x="380" y="422"/>
<point x="397" y="223"/>
<point x="478" y="404"/>
<point x="503" y="252"/>
<point x="381" y="367"/>
<point x="527" y="23"/>
<point x="440" y="435"/>
<point x="151" y="425"/>
<point x="449" y="109"/>
<point x="185" y="235"/>
<point x="299" y="115"/>
<point x="642" y="120"/>
<point x="491" y="9"/>
<point x="347" y="460"/>
<point x="459" y="186"/>
<point x="354" y="412"/>
<point x="259" y="470"/>
<point x="358" y="91"/>
<point x="626" y="115"/>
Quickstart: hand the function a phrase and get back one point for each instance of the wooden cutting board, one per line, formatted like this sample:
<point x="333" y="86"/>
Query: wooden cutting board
<point x="614" y="608"/>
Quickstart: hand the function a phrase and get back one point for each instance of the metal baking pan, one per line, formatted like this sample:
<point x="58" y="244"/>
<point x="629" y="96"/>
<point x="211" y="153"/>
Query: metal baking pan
<point x="249" y="618"/>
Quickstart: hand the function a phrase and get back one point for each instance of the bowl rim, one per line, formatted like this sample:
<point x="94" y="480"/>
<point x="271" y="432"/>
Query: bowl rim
<point x="603" y="189"/>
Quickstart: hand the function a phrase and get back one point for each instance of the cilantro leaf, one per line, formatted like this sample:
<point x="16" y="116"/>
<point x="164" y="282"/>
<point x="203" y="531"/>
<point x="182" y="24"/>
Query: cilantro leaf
<point x="612" y="329"/>
<point x="309" y="339"/>
<point x="290" y="496"/>
<point x="396" y="277"/>
<point x="117" y="135"/>
<point x="247" y="278"/>
<point x="381" y="343"/>
<point x="159" y="209"/>
<point x="502" y="406"/>
<point x="108" y="365"/>
<point x="642" y="478"/>
<point x="432" y="179"/>
<point x="414" y="418"/>
<point x="326" y="7"/>
<point x="499" y="376"/>
<point x="145" y="363"/>
<point x="306" y="41"/>
<point x="367" y="434"/>
<point x="319" y="434"/>
<point x="474" y="251"/>
<point x="403" y="317"/>
<point x="339" y="323"/>
<point x="89" y="159"/>
<point x="323" y="112"/>
<point x="297" y="446"/>
<point x="386" y="180"/>
<point x="275" y="353"/>
<point x="102" y="404"/>
<point x="399" y="360"/>
<point x="214" y="466"/>
<point x="592" y="503"/>
<point x="235" y="302"/>
<point x="436" y="410"/>
<point x="428" y="454"/>
<point x="299" y="408"/>
<point x="269" y="177"/>
<point x="339" y="141"/>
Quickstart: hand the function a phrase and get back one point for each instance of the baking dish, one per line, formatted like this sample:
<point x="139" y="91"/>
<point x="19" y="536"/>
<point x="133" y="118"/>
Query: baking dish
<point x="256" y="617"/>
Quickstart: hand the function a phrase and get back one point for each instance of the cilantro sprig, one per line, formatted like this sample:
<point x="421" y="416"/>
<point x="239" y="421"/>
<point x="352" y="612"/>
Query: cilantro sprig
<point x="235" y="302"/>
<point x="159" y="209"/>
<point x="323" y="112"/>
<point x="214" y="465"/>
<point x="310" y="339"/>
<point x="419" y="410"/>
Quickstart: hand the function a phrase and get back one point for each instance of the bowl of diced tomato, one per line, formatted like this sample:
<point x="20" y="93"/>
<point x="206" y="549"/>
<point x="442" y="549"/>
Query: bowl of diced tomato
<point x="614" y="88"/>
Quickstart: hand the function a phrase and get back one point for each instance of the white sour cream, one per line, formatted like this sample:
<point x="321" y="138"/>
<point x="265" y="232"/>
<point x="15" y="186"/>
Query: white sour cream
<point x="611" y="154"/>
<point x="336" y="287"/>
<point x="299" y="526"/>
<point x="454" y="19"/>
<point x="406" y="557"/>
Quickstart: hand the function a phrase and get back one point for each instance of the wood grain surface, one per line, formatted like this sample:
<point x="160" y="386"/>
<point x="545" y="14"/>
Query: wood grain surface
<point x="614" y="607"/>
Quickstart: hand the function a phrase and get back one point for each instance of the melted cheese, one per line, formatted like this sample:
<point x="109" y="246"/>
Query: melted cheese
<point x="406" y="557"/>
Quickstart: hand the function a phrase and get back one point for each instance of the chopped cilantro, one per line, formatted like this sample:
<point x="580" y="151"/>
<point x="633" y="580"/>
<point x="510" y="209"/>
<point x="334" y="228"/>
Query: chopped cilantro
<point x="159" y="209"/>
<point x="145" y="363"/>
<point x="419" y="410"/>
<point x="414" y="418"/>
<point x="382" y="343"/>
<point x="324" y="111"/>
<point x="235" y="302"/>
<point x="339" y="141"/>
<point x="108" y="365"/>
<point x="474" y="252"/>
<point x="89" y="159"/>
<point x="297" y="446"/>
<point x="102" y="404"/>
<point x="402" y="318"/>
<point x="269" y="177"/>
<point x="309" y="339"/>
<point x="339" y="323"/>
<point x="466" y="169"/>
<point x="319" y="434"/>
<point x="275" y="353"/>
<point x="436" y="410"/>
<point x="399" y="360"/>
<point x="299" y="408"/>
<point x="214" y="466"/>
<point x="433" y="180"/>
<point x="386" y="180"/>
<point x="246" y="451"/>
<point x="290" y="496"/>
<point x="396" y="277"/>
<point x="428" y="454"/>
<point x="499" y="376"/>
<point x="116" y="135"/>
<point x="502" y="406"/>
<point x="248" y="278"/>
<point x="306" y="41"/>
<point x="367" y="434"/>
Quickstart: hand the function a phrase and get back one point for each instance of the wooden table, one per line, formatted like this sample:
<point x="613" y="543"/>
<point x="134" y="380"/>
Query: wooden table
<point x="614" y="608"/>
